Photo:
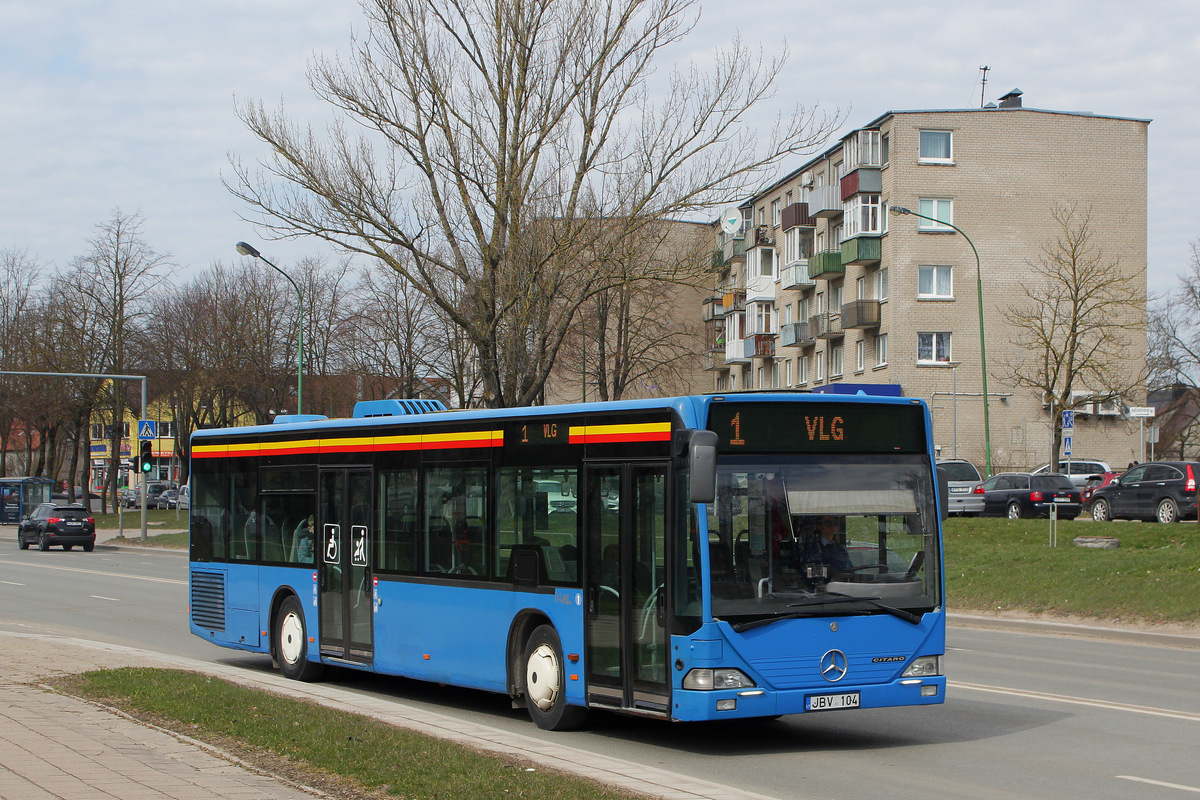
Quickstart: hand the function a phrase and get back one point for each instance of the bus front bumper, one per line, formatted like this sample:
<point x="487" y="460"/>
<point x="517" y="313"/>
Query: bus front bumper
<point x="690" y="705"/>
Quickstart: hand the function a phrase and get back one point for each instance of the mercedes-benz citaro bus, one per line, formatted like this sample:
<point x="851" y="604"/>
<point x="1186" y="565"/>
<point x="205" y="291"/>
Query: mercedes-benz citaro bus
<point x="724" y="556"/>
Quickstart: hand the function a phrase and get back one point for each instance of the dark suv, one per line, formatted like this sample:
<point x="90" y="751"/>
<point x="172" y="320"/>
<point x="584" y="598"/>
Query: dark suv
<point x="52" y="524"/>
<point x="1020" y="494"/>
<point x="1161" y="490"/>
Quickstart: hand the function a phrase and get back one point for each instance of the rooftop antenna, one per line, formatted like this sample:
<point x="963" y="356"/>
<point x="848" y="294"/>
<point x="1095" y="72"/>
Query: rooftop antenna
<point x="984" y="69"/>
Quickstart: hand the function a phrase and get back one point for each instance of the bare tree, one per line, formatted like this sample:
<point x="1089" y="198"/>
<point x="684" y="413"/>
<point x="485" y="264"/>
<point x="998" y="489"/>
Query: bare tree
<point x="1076" y="322"/>
<point x="496" y="133"/>
<point x="20" y="274"/>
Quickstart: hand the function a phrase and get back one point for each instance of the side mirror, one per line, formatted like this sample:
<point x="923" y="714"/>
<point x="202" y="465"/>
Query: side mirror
<point x="702" y="466"/>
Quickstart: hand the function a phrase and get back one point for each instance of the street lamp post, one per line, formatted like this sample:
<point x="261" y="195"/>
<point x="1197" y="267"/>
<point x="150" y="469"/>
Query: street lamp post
<point x="250" y="250"/>
<point x="987" y="428"/>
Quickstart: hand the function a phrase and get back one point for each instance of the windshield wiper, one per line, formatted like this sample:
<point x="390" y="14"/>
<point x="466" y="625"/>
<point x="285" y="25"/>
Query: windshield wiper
<point x="758" y="623"/>
<point x="898" y="613"/>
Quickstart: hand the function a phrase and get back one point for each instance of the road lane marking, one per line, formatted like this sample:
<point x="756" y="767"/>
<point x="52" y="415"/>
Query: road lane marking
<point x="12" y="583"/>
<point x="102" y="597"/>
<point x="95" y="572"/>
<point x="1179" y="786"/>
<point x="1079" y="701"/>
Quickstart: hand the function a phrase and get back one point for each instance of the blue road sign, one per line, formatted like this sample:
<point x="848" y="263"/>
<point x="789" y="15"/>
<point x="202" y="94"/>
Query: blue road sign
<point x="1066" y="445"/>
<point x="1068" y="419"/>
<point x="147" y="429"/>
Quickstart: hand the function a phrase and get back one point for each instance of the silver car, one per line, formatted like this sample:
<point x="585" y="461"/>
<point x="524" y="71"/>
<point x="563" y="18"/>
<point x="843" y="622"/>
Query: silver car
<point x="963" y="478"/>
<point x="1077" y="469"/>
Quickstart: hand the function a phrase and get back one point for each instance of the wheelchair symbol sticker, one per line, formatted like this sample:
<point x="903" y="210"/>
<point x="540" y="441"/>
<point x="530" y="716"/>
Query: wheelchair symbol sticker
<point x="333" y="553"/>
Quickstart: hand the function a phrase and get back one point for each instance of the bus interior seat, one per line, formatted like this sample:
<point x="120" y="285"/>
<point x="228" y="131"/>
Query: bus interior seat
<point x="720" y="565"/>
<point x="272" y="541"/>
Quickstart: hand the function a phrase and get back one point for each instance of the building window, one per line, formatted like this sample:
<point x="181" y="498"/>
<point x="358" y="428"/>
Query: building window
<point x="774" y="374"/>
<point x="860" y="289"/>
<point x="881" y="350"/>
<point x="884" y="148"/>
<point x="933" y="348"/>
<point x="935" y="282"/>
<point x="797" y="244"/>
<point x="820" y="355"/>
<point x="862" y="150"/>
<point x="776" y="213"/>
<point x="762" y="319"/>
<point x="835" y="299"/>
<point x="860" y="356"/>
<point x="762" y="215"/>
<point x="936" y="208"/>
<point x="835" y="361"/>
<point x="787" y="373"/>
<point x="936" y="147"/>
<point x="862" y="215"/>
<point x="881" y="284"/>
<point x="801" y="370"/>
<point x="762" y="265"/>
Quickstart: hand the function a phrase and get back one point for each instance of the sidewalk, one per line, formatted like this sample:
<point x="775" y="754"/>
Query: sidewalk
<point x="58" y="748"/>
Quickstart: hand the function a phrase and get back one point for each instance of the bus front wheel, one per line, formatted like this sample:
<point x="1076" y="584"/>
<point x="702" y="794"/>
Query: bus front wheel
<point x="545" y="683"/>
<point x="291" y="643"/>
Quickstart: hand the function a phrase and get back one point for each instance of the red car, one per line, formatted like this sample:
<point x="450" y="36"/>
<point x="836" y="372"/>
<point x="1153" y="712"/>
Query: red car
<point x="1093" y="483"/>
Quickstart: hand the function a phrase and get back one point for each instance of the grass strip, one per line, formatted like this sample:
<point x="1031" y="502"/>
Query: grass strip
<point x="283" y="734"/>
<point x="1007" y="565"/>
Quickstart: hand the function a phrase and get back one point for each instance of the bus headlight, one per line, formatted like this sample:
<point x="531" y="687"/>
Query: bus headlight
<point x="924" y="667"/>
<point x="707" y="679"/>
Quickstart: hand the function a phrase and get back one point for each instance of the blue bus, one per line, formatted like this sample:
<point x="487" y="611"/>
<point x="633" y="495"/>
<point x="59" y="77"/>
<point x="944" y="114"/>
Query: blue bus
<point x="690" y="558"/>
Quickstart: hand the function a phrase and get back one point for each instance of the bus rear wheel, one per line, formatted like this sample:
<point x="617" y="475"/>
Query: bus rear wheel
<point x="291" y="643"/>
<point x="545" y="683"/>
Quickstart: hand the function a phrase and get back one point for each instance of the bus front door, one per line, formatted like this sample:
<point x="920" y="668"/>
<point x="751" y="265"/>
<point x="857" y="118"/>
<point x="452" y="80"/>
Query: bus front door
<point x="346" y="596"/>
<point x="625" y="526"/>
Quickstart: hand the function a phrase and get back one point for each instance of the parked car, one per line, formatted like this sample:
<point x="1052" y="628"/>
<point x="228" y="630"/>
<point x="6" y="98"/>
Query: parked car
<point x="1161" y="490"/>
<point x="185" y="497"/>
<point x="1077" y="469"/>
<point x="1093" y="483"/>
<point x="963" y="478"/>
<point x="54" y="524"/>
<point x="1022" y="494"/>
<point x="166" y="500"/>
<point x="130" y="497"/>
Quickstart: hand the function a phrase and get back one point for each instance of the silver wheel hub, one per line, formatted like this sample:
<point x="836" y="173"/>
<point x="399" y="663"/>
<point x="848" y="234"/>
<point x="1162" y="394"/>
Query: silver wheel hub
<point x="541" y="677"/>
<point x="291" y="638"/>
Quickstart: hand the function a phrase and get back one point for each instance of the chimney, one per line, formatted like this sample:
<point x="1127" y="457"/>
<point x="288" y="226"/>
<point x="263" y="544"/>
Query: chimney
<point x="1012" y="99"/>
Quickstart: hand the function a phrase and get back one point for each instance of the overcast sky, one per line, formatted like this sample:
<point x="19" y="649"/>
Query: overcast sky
<point x="130" y="103"/>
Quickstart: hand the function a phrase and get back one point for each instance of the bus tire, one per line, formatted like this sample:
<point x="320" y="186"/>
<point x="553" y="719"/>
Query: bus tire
<point x="545" y="683"/>
<point x="291" y="643"/>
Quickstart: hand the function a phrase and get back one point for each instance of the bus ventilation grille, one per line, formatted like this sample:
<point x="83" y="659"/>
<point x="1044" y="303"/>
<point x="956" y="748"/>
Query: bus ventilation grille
<point x="208" y="600"/>
<point x="396" y="408"/>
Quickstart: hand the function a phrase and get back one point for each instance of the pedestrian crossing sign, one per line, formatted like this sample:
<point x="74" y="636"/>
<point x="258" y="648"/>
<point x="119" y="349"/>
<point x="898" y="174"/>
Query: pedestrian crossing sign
<point x="147" y="429"/>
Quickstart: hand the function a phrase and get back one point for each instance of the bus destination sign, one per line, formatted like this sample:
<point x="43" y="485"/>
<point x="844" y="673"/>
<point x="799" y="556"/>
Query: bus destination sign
<point x="817" y="427"/>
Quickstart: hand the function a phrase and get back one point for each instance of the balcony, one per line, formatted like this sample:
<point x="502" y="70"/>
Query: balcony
<point x="863" y="179"/>
<point x="795" y="276"/>
<point x="729" y="250"/>
<point x="735" y="352"/>
<point x="825" y="264"/>
<point x="826" y="326"/>
<point x="825" y="201"/>
<point x="795" y="334"/>
<point x="732" y="302"/>
<point x="796" y="216"/>
<point x="712" y="308"/>
<point x="759" y="345"/>
<point x="860" y="314"/>
<point x="862" y="250"/>
<point x="763" y="237"/>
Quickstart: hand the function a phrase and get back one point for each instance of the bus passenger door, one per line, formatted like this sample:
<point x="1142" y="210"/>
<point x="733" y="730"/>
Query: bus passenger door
<point x="626" y="520"/>
<point x="345" y="576"/>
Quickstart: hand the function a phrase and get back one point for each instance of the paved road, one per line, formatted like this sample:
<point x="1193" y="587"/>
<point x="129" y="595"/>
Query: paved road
<point x="1029" y="714"/>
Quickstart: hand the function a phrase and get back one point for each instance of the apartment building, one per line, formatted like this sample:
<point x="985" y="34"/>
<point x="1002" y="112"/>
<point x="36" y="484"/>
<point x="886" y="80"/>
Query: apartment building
<point x="819" y="287"/>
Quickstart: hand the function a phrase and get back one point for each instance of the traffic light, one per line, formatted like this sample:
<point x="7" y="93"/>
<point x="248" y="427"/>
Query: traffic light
<point x="147" y="460"/>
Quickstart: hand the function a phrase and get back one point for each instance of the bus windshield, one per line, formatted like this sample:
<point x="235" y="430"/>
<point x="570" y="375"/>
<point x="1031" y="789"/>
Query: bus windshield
<point x="812" y="535"/>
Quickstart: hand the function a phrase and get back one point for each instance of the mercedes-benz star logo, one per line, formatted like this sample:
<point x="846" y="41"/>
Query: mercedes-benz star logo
<point x="834" y="666"/>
